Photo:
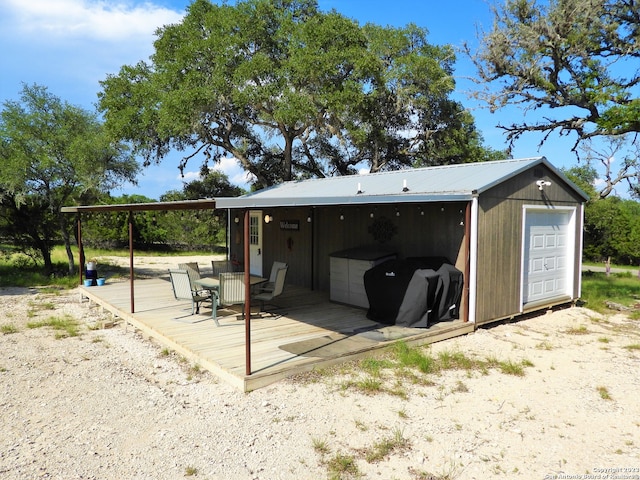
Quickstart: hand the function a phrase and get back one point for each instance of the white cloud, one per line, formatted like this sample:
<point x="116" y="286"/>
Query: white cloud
<point x="188" y="177"/>
<point x="87" y="19"/>
<point x="231" y="167"/>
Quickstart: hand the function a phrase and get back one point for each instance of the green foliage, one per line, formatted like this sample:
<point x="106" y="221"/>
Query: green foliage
<point x="577" y="57"/>
<point x="19" y="270"/>
<point x="386" y="446"/>
<point x="8" y="329"/>
<point x="414" y="358"/>
<point x="292" y="92"/>
<point x="612" y="230"/>
<point x="65" y="326"/>
<point x="611" y="224"/>
<point x="597" y="288"/>
<point x="510" y="367"/>
<point x="584" y="176"/>
<point x="52" y="154"/>
<point x="342" y="466"/>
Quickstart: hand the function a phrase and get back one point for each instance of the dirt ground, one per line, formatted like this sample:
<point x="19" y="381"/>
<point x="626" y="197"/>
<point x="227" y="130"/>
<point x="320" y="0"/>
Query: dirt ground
<point x="110" y="404"/>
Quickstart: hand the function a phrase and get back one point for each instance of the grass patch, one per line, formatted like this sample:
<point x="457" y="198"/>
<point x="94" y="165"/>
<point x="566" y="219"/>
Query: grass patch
<point x="402" y="363"/>
<point x="604" y="393"/>
<point x="385" y="447"/>
<point x="321" y="447"/>
<point x="373" y="366"/>
<point x="455" y="361"/>
<point x="65" y="326"/>
<point x="580" y="330"/>
<point x="544" y="345"/>
<point x="621" y="288"/>
<point x="633" y="346"/>
<point x="511" y="368"/>
<point x="369" y="384"/>
<point x="413" y="358"/>
<point x="8" y="329"/>
<point x="342" y="466"/>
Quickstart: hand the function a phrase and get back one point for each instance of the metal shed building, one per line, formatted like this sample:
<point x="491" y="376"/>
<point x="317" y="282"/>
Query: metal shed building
<point x="513" y="227"/>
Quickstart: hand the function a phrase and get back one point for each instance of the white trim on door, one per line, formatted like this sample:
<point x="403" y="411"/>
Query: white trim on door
<point x="255" y="242"/>
<point x="547" y="254"/>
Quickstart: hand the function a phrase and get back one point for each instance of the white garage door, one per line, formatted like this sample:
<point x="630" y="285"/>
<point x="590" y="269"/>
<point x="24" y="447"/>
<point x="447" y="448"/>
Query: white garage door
<point x="548" y="255"/>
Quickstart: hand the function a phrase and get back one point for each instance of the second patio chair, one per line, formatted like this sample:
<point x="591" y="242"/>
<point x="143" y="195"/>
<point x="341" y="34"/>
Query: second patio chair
<point x="231" y="289"/>
<point x="181" y="284"/>
<point x="278" y="288"/>
<point x="270" y="284"/>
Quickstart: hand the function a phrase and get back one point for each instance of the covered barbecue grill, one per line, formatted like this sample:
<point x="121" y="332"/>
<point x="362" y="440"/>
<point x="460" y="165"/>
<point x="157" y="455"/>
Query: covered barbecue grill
<point x="415" y="292"/>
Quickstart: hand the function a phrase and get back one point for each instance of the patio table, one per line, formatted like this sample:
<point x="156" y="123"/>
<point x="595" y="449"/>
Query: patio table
<point x="209" y="283"/>
<point x="213" y="285"/>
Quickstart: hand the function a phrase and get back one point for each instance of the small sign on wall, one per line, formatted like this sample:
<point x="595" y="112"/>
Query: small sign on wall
<point x="289" y="224"/>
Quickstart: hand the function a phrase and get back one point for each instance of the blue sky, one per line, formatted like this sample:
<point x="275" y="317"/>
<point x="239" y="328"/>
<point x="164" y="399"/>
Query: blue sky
<point x="71" y="45"/>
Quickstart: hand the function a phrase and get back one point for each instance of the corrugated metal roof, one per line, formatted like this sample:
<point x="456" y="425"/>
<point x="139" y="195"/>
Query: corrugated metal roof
<point x="430" y="184"/>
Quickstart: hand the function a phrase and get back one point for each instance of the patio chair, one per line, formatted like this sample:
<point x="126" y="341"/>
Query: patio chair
<point x="267" y="296"/>
<point x="221" y="266"/>
<point x="270" y="284"/>
<point x="231" y="289"/>
<point x="193" y="270"/>
<point x="181" y="284"/>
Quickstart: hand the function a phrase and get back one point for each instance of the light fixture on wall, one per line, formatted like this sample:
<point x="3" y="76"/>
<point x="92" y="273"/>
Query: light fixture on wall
<point x="341" y="216"/>
<point x="236" y="219"/>
<point x="397" y="212"/>
<point x="542" y="183"/>
<point x="268" y="218"/>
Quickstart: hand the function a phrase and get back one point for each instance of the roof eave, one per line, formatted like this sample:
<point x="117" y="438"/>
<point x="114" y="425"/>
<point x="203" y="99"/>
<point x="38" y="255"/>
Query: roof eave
<point x="257" y="203"/>
<point x="202" y="204"/>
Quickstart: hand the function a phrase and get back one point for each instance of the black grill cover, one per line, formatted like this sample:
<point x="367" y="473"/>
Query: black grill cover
<point x="414" y="292"/>
<point x="449" y="292"/>
<point x="417" y="308"/>
<point x="385" y="285"/>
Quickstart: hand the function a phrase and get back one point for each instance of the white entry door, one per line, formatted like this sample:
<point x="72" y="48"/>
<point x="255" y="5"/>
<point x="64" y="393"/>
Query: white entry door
<point x="548" y="254"/>
<point x="255" y="242"/>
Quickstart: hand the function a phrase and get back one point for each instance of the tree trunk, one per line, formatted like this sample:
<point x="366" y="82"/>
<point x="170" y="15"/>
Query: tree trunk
<point x="45" y="250"/>
<point x="67" y="242"/>
<point x="288" y="155"/>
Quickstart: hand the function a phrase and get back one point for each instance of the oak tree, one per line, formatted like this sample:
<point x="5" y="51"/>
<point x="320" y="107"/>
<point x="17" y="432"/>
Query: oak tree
<point x="52" y="154"/>
<point x="291" y="92"/>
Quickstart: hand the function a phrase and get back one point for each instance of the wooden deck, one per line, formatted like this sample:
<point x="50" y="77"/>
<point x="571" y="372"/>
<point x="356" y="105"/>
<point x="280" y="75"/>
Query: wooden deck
<point x="311" y="331"/>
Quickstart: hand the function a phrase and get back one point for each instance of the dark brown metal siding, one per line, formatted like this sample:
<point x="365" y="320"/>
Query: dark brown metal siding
<point x="421" y="230"/>
<point x="282" y="244"/>
<point x="500" y="218"/>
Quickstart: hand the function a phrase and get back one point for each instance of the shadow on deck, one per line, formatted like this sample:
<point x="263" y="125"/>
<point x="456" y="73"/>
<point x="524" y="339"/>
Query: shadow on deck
<point x="307" y="333"/>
